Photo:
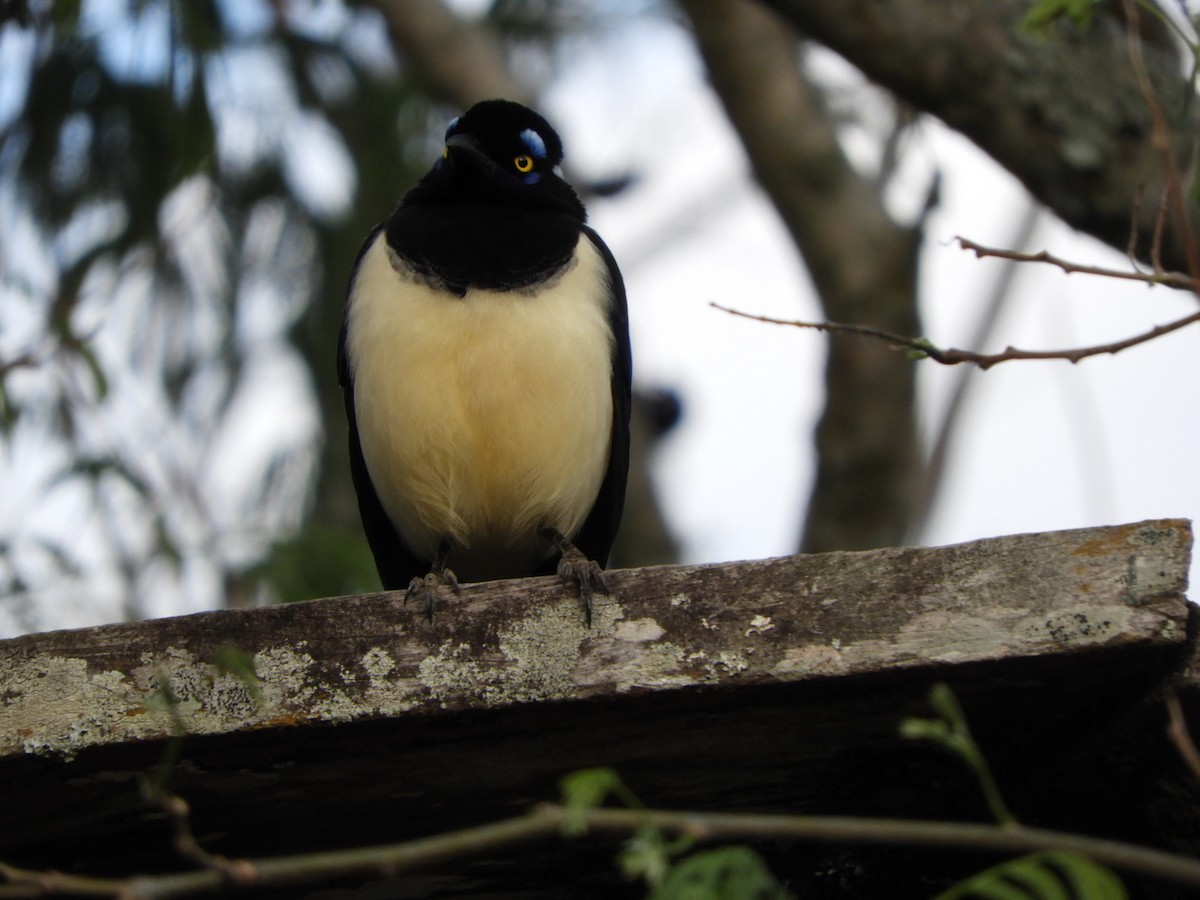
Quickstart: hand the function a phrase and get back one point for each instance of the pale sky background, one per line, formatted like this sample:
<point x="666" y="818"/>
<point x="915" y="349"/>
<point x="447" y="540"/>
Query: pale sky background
<point x="1044" y="445"/>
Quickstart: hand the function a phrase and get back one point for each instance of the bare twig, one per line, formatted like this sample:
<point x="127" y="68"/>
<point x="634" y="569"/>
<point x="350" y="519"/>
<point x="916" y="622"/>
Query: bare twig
<point x="387" y="860"/>
<point x="547" y="820"/>
<point x="45" y="884"/>
<point x="1160" y="230"/>
<point x="1177" y="731"/>
<point x="1161" y="139"/>
<point x="1135" y="217"/>
<point x="953" y="356"/>
<point x="177" y="810"/>
<point x="1169" y="279"/>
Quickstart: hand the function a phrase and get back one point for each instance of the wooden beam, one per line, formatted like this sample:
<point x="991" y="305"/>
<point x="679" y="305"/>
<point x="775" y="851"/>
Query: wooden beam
<point x="768" y="684"/>
<point x="766" y="621"/>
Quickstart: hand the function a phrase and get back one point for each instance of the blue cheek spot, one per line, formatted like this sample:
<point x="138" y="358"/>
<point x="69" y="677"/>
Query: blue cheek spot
<point x="531" y="178"/>
<point x="533" y="142"/>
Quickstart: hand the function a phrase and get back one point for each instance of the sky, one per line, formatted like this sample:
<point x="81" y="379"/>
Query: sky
<point x="1041" y="445"/>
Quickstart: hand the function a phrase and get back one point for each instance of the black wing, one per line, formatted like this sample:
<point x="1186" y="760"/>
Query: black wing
<point x="396" y="563"/>
<point x="599" y="530"/>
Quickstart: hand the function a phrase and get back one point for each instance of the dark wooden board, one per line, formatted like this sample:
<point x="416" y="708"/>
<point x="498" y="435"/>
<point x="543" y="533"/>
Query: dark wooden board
<point x="773" y="685"/>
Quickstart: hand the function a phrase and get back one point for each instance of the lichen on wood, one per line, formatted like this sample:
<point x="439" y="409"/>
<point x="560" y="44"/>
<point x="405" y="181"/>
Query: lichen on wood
<point x="673" y="628"/>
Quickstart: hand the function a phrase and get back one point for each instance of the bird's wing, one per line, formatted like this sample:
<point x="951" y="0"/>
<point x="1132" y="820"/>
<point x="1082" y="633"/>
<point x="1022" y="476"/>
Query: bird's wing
<point x="396" y="563"/>
<point x="600" y="528"/>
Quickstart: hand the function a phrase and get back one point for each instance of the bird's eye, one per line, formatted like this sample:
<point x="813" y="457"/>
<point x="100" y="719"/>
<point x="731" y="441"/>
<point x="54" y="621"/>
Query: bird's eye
<point x="523" y="163"/>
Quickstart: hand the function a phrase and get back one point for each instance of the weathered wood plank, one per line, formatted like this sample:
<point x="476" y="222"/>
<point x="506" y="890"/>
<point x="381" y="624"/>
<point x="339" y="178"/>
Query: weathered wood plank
<point x="775" y="685"/>
<point x="773" y="621"/>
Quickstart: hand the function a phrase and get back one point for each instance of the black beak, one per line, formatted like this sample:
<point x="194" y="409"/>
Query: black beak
<point x="467" y="149"/>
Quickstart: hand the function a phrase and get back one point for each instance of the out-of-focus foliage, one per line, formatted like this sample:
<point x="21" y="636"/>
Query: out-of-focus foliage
<point x="172" y="177"/>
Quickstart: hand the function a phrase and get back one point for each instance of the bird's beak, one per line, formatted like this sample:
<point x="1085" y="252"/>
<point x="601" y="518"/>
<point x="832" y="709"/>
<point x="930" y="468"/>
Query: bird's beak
<point x="467" y="149"/>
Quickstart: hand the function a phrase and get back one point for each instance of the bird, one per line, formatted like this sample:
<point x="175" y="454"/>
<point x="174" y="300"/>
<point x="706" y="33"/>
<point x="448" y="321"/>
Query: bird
<point x="486" y="368"/>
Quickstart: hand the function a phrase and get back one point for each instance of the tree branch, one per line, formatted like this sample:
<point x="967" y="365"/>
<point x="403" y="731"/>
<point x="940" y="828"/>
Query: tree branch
<point x="901" y="833"/>
<point x="1084" y="152"/>
<point x="1168" y="279"/>
<point x="459" y="62"/>
<point x="42" y="884"/>
<point x="549" y="819"/>
<point x="1161" y="141"/>
<point x="954" y="356"/>
<point x="1177" y="731"/>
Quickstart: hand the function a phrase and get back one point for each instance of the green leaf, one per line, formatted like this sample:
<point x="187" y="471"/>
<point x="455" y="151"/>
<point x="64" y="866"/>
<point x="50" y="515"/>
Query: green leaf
<point x="1043" y="14"/>
<point x="647" y="855"/>
<point x="922" y="348"/>
<point x="585" y="790"/>
<point x="1050" y="875"/>
<point x="726" y="873"/>
<point x="925" y="730"/>
<point x="946" y="704"/>
<point x="951" y="731"/>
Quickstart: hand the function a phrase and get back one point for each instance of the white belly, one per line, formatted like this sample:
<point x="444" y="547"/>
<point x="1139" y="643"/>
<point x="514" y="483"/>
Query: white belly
<point x="483" y="418"/>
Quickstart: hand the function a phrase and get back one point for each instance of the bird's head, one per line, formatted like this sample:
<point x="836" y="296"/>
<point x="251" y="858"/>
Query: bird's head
<point x="502" y="152"/>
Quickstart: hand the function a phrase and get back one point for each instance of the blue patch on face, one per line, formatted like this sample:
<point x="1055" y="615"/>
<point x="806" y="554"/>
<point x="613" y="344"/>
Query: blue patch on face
<point x="533" y="142"/>
<point x="531" y="178"/>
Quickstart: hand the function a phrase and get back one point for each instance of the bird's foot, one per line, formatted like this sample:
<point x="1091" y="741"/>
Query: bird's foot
<point x="574" y="566"/>
<point x="426" y="588"/>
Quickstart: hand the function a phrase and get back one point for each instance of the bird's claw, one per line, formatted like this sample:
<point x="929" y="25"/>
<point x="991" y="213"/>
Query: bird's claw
<point x="426" y="588"/>
<point x="575" y="566"/>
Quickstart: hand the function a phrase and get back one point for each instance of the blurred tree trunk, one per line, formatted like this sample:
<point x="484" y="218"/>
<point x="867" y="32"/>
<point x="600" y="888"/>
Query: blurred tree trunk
<point x="863" y="264"/>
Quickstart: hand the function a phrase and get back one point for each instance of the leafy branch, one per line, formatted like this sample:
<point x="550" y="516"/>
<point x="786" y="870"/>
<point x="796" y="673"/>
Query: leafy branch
<point x="549" y="820"/>
<point x="732" y="872"/>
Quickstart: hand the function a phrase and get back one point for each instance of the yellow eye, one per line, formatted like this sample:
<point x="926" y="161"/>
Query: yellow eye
<point x="524" y="163"/>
